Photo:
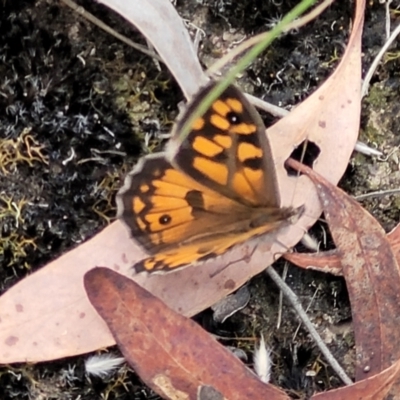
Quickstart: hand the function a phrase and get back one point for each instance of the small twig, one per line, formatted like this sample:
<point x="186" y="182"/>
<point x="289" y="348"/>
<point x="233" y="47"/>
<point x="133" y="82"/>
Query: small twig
<point x="305" y="19"/>
<point x="310" y="327"/>
<point x="377" y="60"/>
<point x="387" y="18"/>
<point x="367" y="150"/>
<point x="268" y="107"/>
<point x="306" y="311"/>
<point x="378" y="193"/>
<point x="90" y="17"/>
<point x="388" y="156"/>
<point x="284" y="274"/>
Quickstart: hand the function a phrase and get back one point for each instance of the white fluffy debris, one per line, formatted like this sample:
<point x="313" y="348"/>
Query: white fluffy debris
<point x="102" y="365"/>
<point x="262" y="361"/>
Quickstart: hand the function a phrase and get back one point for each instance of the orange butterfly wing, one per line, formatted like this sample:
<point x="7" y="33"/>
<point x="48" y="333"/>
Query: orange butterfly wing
<point x="209" y="191"/>
<point x="227" y="150"/>
<point x="160" y="205"/>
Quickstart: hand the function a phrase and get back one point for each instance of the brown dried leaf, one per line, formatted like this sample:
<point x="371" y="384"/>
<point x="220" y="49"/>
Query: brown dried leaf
<point x="374" y="388"/>
<point x="326" y="261"/>
<point x="372" y="277"/>
<point x="329" y="261"/>
<point x="394" y="240"/>
<point x="172" y="354"/>
<point x="329" y="117"/>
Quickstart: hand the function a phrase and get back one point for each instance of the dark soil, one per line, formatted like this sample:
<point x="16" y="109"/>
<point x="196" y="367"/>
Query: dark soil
<point x="75" y="107"/>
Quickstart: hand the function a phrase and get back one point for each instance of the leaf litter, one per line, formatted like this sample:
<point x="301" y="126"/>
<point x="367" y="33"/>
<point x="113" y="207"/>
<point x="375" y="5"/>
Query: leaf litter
<point x="187" y="357"/>
<point x="326" y="114"/>
<point x="321" y="123"/>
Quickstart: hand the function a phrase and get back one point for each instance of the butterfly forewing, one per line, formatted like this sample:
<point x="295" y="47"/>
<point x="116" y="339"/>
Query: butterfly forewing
<point x="227" y="150"/>
<point x="165" y="208"/>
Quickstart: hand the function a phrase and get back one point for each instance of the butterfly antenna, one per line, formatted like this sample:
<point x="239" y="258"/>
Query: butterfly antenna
<point x="246" y="257"/>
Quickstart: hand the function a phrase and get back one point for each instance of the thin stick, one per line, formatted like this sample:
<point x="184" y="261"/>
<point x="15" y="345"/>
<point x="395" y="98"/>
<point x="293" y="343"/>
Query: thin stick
<point x="268" y="107"/>
<point x="379" y="193"/>
<point x="293" y="299"/>
<point x="90" y="17"/>
<point x="377" y="60"/>
<point x="387" y="19"/>
<point x="306" y="311"/>
<point x="284" y="274"/>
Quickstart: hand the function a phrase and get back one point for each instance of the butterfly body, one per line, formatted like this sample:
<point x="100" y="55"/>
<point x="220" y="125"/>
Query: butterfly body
<point x="208" y="191"/>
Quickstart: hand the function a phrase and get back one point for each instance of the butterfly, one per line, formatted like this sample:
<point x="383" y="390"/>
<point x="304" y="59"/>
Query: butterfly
<point x="207" y="192"/>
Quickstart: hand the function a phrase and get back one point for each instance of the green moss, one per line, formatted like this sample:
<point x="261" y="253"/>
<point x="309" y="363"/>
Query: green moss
<point x="358" y="159"/>
<point x="370" y="134"/>
<point x="378" y="96"/>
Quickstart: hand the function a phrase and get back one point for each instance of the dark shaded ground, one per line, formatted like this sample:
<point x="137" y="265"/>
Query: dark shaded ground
<point x="75" y="106"/>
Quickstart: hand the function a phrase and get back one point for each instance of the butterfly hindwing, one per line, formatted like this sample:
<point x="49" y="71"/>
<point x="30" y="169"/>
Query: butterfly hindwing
<point x="165" y="208"/>
<point x="210" y="247"/>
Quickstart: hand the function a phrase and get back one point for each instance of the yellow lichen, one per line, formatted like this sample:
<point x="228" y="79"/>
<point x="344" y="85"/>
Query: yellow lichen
<point x="22" y="149"/>
<point x="106" y="190"/>
<point x="11" y="208"/>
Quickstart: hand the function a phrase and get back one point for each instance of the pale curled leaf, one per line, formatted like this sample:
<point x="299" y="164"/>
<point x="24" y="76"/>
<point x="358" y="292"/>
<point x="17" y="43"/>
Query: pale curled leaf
<point x="163" y="27"/>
